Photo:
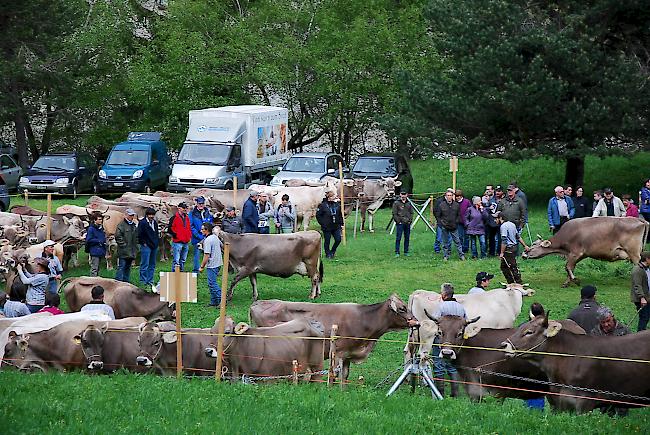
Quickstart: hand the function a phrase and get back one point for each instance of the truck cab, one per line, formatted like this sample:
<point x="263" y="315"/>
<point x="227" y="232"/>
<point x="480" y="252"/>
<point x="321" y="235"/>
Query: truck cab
<point x="141" y="164"/>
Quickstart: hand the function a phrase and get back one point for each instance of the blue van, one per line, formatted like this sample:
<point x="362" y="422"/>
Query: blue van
<point x="141" y="164"/>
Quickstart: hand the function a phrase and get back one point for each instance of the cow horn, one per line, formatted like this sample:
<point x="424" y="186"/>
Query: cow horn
<point x="474" y="320"/>
<point x="526" y="285"/>
<point x="504" y="284"/>
<point x="429" y="316"/>
<point x="539" y="237"/>
<point x="4" y="242"/>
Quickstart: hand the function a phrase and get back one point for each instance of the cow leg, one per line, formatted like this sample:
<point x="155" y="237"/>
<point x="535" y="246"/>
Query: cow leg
<point x="572" y="260"/>
<point x="307" y="375"/>
<point x="241" y="274"/>
<point x="363" y="218"/>
<point x="306" y="217"/>
<point x="371" y="217"/>
<point x="345" y="370"/>
<point x="253" y="278"/>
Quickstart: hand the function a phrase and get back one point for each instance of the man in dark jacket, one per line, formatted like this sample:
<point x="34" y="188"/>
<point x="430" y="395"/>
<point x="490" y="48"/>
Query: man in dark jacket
<point x="199" y="215"/>
<point x="126" y="237"/>
<point x="181" y="231"/>
<point x="640" y="294"/>
<point x="586" y="313"/>
<point x="95" y="242"/>
<point x="512" y="208"/>
<point x="148" y="237"/>
<point x="403" y="216"/>
<point x="231" y="223"/>
<point x="448" y="216"/>
<point x="250" y="215"/>
<point x="330" y="218"/>
<point x="437" y="245"/>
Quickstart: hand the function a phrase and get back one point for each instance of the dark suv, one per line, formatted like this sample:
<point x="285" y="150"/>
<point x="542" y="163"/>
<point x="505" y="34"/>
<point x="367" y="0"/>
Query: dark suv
<point x="374" y="166"/>
<point x="4" y="195"/>
<point x="63" y="172"/>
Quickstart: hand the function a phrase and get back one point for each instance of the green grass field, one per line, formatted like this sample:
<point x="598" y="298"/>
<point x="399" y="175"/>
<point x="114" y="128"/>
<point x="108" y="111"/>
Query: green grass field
<point x="365" y="271"/>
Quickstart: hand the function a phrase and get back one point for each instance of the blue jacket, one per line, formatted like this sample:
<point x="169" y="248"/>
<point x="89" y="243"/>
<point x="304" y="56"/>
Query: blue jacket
<point x="196" y="220"/>
<point x="250" y="216"/>
<point x="645" y="200"/>
<point x="96" y="241"/>
<point x="554" y="212"/>
<point x="148" y="236"/>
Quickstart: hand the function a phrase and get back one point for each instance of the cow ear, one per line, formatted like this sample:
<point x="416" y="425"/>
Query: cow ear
<point x="12" y="334"/>
<point x="65" y="220"/>
<point x="471" y="331"/>
<point x="552" y="329"/>
<point x="104" y="328"/>
<point x="241" y="328"/>
<point x="546" y="244"/>
<point x="77" y="339"/>
<point x="398" y="183"/>
<point x="169" y="337"/>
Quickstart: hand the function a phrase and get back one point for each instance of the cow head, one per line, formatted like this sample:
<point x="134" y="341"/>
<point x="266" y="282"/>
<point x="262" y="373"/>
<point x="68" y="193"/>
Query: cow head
<point x="229" y="329"/>
<point x="18" y="355"/>
<point x="453" y="331"/>
<point x="399" y="314"/>
<point x="389" y="184"/>
<point x="538" y="249"/>
<point x="531" y="336"/>
<point x="63" y="229"/>
<point x="91" y="341"/>
<point x="151" y="340"/>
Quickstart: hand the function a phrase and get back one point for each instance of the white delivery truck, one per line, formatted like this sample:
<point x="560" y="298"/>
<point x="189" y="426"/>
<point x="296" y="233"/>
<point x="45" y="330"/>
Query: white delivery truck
<point x="226" y="142"/>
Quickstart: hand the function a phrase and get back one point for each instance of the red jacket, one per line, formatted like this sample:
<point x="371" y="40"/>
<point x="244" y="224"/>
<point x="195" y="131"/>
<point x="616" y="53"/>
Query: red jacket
<point x="180" y="229"/>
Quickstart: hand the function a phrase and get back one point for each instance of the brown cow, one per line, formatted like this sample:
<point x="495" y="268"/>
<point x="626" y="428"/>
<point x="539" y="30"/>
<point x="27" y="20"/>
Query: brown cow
<point x="279" y="255"/>
<point x="158" y="349"/>
<point x="626" y="373"/>
<point x="126" y="299"/>
<point x="109" y="348"/>
<point x="273" y="351"/>
<point x="367" y="322"/>
<point x="455" y="332"/>
<point x="602" y="238"/>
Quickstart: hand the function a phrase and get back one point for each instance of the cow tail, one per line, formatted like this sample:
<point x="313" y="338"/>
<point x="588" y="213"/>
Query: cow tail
<point x="646" y="228"/>
<point x="321" y="270"/>
<point x="63" y="284"/>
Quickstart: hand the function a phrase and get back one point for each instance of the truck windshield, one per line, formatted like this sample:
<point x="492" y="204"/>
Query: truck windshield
<point x="128" y="158"/>
<point x="379" y="165"/>
<point x="305" y="164"/>
<point x="204" y="154"/>
<point x="55" y="163"/>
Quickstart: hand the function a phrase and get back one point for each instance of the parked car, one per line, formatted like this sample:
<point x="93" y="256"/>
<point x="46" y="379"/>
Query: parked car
<point x="375" y="166"/>
<point x="62" y="172"/>
<point x="4" y="196"/>
<point x="312" y="167"/>
<point x="140" y="164"/>
<point x="10" y="172"/>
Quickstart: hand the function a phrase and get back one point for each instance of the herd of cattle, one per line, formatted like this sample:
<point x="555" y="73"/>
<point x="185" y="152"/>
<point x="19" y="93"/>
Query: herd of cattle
<point x="144" y="338"/>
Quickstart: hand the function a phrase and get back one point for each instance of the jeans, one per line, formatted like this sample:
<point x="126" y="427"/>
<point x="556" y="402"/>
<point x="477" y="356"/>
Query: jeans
<point x="462" y="236"/>
<point x="213" y="286"/>
<point x="34" y="308"/>
<point x="331" y="251"/>
<point x="493" y="240"/>
<point x="644" y="316"/>
<point x="123" y="272"/>
<point x="198" y="256"/>
<point x="438" y="243"/>
<point x="477" y="239"/>
<point x="179" y="255"/>
<point x="52" y="286"/>
<point x="265" y="230"/>
<point x="448" y="236"/>
<point x="406" y="230"/>
<point x="147" y="264"/>
<point x="94" y="265"/>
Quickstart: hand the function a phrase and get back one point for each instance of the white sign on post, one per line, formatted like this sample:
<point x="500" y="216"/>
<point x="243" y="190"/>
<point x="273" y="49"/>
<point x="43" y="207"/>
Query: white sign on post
<point x="186" y="282"/>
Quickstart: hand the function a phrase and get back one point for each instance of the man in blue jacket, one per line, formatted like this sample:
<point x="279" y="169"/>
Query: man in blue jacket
<point x="95" y="242"/>
<point x="250" y="215"/>
<point x="148" y="238"/>
<point x="560" y="210"/>
<point x="199" y="215"/>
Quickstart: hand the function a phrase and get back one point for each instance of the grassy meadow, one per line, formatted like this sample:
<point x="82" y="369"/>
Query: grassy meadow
<point x="365" y="271"/>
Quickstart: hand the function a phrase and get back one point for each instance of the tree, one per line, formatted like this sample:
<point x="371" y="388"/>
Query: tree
<point x="523" y="79"/>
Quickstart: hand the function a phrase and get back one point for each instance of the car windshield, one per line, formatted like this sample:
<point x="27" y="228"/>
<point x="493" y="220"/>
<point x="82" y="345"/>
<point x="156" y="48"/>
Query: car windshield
<point x="380" y="165"/>
<point x="203" y="154"/>
<point x="305" y="164"/>
<point x="55" y="163"/>
<point x="128" y="158"/>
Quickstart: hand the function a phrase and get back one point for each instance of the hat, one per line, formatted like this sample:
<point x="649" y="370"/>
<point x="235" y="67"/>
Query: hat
<point x="588" y="292"/>
<point x="199" y="200"/>
<point x="48" y="243"/>
<point x="607" y="190"/>
<point x="230" y="208"/>
<point x="130" y="212"/>
<point x="498" y="189"/>
<point x="182" y="205"/>
<point x="511" y="187"/>
<point x="482" y="276"/>
<point x="403" y="192"/>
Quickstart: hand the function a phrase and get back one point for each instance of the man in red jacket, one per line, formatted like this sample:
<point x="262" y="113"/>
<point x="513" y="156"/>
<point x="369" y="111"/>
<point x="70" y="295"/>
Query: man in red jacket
<point x="181" y="232"/>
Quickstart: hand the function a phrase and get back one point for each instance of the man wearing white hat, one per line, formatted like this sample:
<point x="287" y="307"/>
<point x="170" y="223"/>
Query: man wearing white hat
<point x="54" y="265"/>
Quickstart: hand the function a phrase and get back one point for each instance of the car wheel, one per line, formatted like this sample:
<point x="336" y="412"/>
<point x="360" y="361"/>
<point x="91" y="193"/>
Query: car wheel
<point x="228" y="186"/>
<point x="74" y="189"/>
<point x="147" y="188"/>
<point x="96" y="189"/>
<point x="3" y="207"/>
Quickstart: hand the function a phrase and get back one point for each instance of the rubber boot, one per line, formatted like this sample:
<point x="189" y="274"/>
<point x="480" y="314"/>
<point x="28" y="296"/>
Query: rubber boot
<point x="454" y="384"/>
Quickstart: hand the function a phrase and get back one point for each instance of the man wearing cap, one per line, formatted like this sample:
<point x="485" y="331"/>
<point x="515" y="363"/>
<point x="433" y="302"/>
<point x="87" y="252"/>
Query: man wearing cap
<point x="250" y="215"/>
<point x="231" y="223"/>
<point x="126" y="237"/>
<point x="609" y="205"/>
<point x="512" y="208"/>
<point x="448" y="216"/>
<point x="264" y="213"/>
<point x="181" y="231"/>
<point x="403" y="216"/>
<point x="482" y="283"/>
<point x="560" y="209"/>
<point x="149" y="238"/>
<point x="437" y="246"/>
<point x="586" y="313"/>
<point x="54" y="264"/>
<point x="199" y="215"/>
<point x="510" y="239"/>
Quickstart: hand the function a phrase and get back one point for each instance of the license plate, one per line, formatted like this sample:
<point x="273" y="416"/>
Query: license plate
<point x="189" y="189"/>
<point x="118" y="184"/>
<point x="41" y="187"/>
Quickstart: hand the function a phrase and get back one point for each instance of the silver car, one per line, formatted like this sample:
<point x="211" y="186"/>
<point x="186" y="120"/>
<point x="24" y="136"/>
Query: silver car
<point x="311" y="167"/>
<point x="10" y="171"/>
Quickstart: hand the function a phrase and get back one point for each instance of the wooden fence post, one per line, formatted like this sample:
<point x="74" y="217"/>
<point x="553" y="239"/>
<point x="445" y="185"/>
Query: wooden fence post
<point x="342" y="200"/>
<point x="179" y="335"/>
<point x="294" y="364"/>
<point x="26" y="194"/>
<point x="49" y="216"/>
<point x="331" y="375"/>
<point x="222" y="311"/>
